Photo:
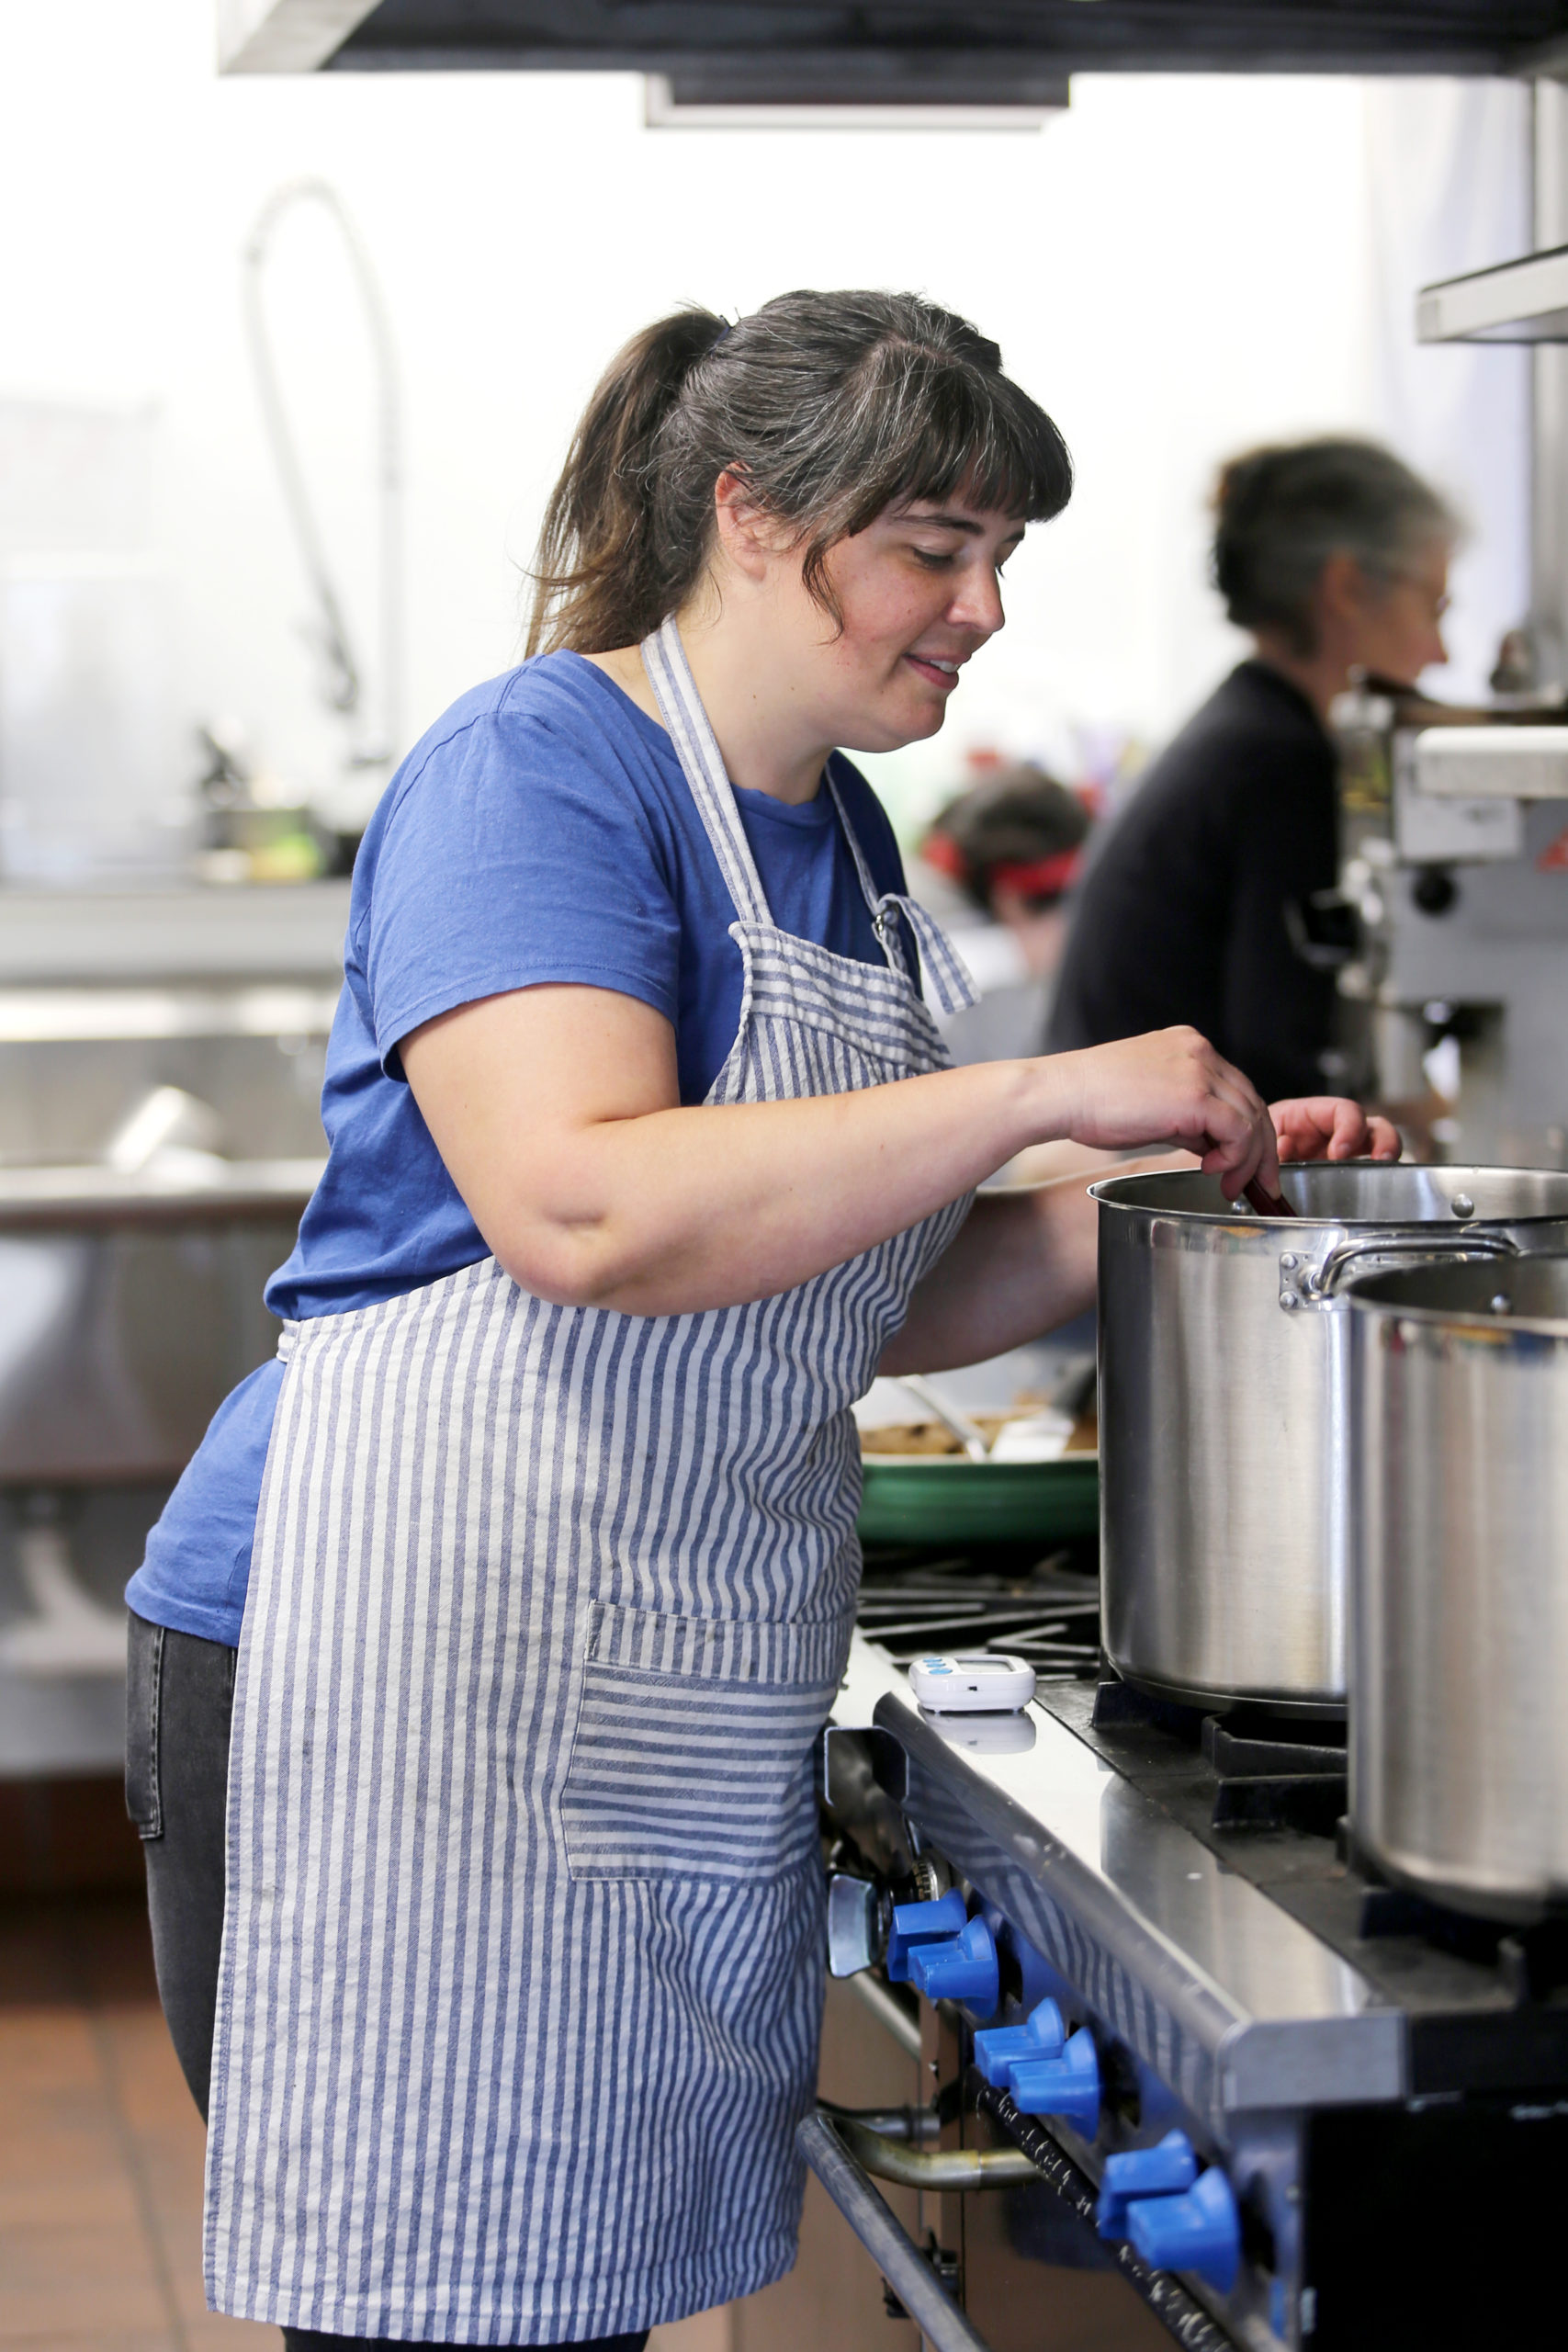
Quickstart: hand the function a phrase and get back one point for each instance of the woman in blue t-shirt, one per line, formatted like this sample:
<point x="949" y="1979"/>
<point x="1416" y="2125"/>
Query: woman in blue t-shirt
<point x="645" y="1155"/>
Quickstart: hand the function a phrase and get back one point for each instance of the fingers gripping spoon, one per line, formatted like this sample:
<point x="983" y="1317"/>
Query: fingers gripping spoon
<point x="1266" y="1202"/>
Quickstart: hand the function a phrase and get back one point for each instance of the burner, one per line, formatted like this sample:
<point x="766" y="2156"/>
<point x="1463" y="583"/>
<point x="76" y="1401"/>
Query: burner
<point x="1238" y="1746"/>
<point x="1041" y="1612"/>
<point x="1268" y="1775"/>
<point x="1532" y="1961"/>
<point x="1119" y="1705"/>
<point x="1267" y="1780"/>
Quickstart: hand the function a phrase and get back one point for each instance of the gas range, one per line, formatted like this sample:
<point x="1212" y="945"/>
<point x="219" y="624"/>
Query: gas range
<point x="1047" y="1611"/>
<point x="1376" y="2093"/>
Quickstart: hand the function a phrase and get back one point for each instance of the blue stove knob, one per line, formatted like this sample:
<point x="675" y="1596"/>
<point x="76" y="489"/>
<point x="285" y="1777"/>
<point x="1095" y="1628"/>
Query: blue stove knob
<point x="1199" y="2231"/>
<point x="915" y="1924"/>
<point x="964" y="1968"/>
<point x="1068" y="2087"/>
<point x="997" y="2051"/>
<point x="1161" y="2171"/>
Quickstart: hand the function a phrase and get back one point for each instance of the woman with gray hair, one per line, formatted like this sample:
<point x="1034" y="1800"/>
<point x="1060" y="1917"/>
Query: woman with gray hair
<point x="1333" y="556"/>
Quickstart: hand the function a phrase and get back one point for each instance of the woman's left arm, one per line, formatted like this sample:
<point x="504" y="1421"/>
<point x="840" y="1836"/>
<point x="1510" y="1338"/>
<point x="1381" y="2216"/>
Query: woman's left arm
<point x="1021" y="1262"/>
<point x="1024" y="1261"/>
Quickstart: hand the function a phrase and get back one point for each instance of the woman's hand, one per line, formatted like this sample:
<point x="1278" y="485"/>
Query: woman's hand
<point x="1171" y="1087"/>
<point x="1324" y="1126"/>
<point x="557" y="1112"/>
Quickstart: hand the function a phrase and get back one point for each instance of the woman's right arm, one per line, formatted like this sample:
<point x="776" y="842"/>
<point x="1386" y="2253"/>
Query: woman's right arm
<point x="556" y="1112"/>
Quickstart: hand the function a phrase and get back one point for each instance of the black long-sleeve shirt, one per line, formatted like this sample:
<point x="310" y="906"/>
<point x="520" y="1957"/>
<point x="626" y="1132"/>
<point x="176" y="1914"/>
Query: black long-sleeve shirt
<point x="1180" y="916"/>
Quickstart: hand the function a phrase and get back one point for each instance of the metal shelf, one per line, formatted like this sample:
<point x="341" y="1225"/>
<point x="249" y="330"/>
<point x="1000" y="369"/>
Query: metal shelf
<point x="1518" y="302"/>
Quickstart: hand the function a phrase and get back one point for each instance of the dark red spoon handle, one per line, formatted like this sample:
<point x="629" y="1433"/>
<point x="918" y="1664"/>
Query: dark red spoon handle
<point x="1266" y="1202"/>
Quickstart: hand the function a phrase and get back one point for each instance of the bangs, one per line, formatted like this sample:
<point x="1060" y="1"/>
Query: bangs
<point x="914" y="422"/>
<point x="934" y="426"/>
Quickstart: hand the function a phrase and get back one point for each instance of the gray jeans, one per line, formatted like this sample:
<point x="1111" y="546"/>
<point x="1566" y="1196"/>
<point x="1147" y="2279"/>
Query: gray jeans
<point x="179" y="1705"/>
<point x="179" y="1702"/>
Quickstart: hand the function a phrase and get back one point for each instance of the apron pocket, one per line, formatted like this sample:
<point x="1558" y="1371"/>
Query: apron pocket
<point x="692" y="1756"/>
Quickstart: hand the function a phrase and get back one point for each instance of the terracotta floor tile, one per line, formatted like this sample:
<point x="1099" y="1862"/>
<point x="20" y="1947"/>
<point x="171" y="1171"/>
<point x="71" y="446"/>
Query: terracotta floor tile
<point x="87" y="2259"/>
<point x="101" y="2154"/>
<point x="210" y="2332"/>
<point x="709" y="2332"/>
<point x="48" y="2052"/>
<point x="67" y="2306"/>
<point x="117" y="2340"/>
<point x="94" y="2246"/>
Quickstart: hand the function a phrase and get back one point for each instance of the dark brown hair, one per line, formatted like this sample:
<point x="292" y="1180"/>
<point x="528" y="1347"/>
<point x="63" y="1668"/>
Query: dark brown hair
<point x="833" y="406"/>
<point x="1018" y="826"/>
<point x="1280" y="512"/>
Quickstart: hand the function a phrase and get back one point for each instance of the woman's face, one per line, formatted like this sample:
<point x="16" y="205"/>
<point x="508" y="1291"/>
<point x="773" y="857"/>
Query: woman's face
<point x="920" y="592"/>
<point x="1396" y="617"/>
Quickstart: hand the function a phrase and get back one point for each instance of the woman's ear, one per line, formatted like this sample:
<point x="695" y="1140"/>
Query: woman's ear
<point x="1344" y="589"/>
<point x="750" y="536"/>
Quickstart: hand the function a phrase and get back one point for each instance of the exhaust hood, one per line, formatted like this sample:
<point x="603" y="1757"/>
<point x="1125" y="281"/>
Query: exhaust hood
<point x="888" y="53"/>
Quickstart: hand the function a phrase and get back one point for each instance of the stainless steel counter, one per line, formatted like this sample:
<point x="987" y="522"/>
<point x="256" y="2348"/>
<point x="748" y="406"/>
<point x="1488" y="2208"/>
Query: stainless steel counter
<point x="286" y="931"/>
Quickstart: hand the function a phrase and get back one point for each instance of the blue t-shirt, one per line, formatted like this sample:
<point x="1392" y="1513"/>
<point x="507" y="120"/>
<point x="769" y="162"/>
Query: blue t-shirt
<point x="542" y="831"/>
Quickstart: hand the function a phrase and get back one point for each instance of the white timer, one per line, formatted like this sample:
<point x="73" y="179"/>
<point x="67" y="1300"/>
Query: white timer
<point x="981" y="1683"/>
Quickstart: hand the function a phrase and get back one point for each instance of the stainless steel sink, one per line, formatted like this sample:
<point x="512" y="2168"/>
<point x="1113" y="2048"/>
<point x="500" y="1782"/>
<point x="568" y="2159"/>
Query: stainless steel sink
<point x="128" y="1309"/>
<point x="130" y="1298"/>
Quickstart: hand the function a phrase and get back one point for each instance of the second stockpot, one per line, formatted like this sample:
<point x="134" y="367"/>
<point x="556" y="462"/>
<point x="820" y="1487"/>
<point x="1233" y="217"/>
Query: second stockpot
<point x="1224" y="1412"/>
<point x="1458" y="1705"/>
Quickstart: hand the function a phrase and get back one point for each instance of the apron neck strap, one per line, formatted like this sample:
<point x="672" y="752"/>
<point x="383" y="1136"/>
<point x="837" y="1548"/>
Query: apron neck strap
<point x="872" y="896"/>
<point x="680" y="708"/>
<point x="949" y="978"/>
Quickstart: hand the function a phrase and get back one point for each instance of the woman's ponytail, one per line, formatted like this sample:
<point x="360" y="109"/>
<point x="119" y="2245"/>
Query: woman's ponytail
<point x="600" y="576"/>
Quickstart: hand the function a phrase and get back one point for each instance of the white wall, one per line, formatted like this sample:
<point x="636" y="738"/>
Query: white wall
<point x="1176" y="268"/>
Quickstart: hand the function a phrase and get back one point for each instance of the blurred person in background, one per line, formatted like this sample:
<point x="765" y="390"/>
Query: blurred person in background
<point x="1333" y="557"/>
<point x="998" y="861"/>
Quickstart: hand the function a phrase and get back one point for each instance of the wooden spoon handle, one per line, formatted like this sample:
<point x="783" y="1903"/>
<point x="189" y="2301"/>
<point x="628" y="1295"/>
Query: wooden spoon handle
<point x="1266" y="1202"/>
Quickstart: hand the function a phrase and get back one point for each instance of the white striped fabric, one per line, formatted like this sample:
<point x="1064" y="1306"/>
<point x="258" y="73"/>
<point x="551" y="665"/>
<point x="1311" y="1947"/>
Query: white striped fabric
<point x="523" y="1955"/>
<point x="679" y="1773"/>
<point x="680" y="708"/>
<point x="949" y="976"/>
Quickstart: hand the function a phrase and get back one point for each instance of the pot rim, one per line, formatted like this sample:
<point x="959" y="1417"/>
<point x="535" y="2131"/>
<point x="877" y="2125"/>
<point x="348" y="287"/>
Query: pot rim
<point x="1109" y="1193"/>
<point x="1498" y="1327"/>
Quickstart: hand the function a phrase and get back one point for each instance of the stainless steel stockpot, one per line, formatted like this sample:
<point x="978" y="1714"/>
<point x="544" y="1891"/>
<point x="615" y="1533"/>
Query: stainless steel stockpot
<point x="1458" y="1685"/>
<point x="1223" y="1421"/>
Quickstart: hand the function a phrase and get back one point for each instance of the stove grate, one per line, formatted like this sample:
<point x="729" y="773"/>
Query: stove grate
<point x="1041" y="1613"/>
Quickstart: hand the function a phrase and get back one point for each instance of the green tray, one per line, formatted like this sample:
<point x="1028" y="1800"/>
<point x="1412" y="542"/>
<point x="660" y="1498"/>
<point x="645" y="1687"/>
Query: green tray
<point x="945" y="1499"/>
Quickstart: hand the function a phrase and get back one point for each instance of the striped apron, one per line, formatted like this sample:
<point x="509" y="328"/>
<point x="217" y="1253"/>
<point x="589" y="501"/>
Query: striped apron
<point x="522" y="1967"/>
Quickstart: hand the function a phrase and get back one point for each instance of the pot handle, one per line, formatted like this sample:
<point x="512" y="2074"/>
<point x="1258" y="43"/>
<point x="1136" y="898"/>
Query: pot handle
<point x="1304" y="1281"/>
